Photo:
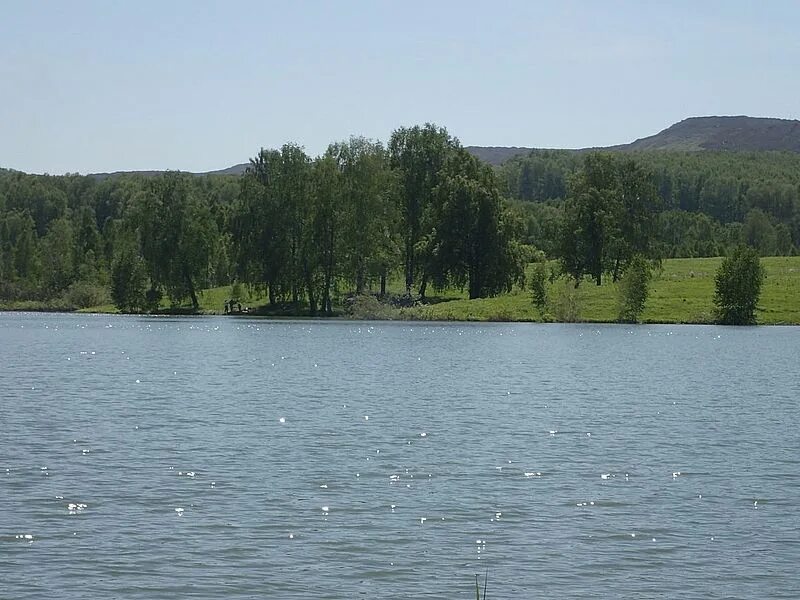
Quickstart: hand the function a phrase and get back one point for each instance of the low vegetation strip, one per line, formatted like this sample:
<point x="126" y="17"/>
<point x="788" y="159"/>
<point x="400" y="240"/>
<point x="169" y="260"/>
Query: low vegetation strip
<point x="682" y="291"/>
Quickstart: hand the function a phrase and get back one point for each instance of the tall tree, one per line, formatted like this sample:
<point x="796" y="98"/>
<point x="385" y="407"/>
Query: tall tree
<point x="177" y="236"/>
<point x="128" y="277"/>
<point x="326" y="226"/>
<point x="472" y="243"/>
<point x="758" y="232"/>
<point x="369" y="215"/>
<point x="271" y="224"/>
<point x="57" y="256"/>
<point x="294" y="193"/>
<point x="418" y="155"/>
<point x="609" y="217"/>
<point x="260" y="228"/>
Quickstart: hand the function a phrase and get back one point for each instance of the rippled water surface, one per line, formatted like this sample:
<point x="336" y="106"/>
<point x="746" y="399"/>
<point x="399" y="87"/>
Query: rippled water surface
<point x="238" y="458"/>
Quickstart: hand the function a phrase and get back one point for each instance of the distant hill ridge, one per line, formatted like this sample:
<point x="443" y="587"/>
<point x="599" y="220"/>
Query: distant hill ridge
<point x="695" y="134"/>
<point x="741" y="134"/>
<point x="234" y="170"/>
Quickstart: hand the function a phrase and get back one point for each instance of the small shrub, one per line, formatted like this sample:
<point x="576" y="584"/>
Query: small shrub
<point x="539" y="278"/>
<point x="83" y="294"/>
<point x="634" y="287"/>
<point x="738" y="287"/>
<point x="567" y="306"/>
<point x="365" y="307"/>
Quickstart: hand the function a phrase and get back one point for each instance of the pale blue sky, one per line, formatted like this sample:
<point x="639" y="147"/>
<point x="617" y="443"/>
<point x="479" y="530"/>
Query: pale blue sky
<point x="100" y="86"/>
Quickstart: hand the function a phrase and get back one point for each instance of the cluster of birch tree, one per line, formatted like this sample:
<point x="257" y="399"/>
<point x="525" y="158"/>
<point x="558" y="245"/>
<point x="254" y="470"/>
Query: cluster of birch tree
<point x="421" y="207"/>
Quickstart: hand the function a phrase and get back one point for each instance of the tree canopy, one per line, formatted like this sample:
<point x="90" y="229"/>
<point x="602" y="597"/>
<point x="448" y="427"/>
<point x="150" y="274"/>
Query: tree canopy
<point x="609" y="217"/>
<point x="310" y="231"/>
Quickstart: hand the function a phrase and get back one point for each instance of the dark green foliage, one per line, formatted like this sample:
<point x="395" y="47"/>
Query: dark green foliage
<point x="368" y="240"/>
<point x="758" y="233"/>
<point x="360" y="212"/>
<point x="472" y="243"/>
<point x="60" y="235"/>
<point x="17" y="246"/>
<point x="783" y="240"/>
<point x="634" y="287"/>
<point x="177" y="236"/>
<point x="539" y="176"/>
<point x="85" y="294"/>
<point x="609" y="217"/>
<point x="128" y="281"/>
<point x="738" y="287"/>
<point x="418" y="156"/>
<point x="56" y="255"/>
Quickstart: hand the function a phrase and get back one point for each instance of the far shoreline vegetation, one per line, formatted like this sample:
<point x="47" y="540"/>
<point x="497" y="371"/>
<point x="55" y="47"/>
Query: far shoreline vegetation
<point x="418" y="229"/>
<point x="682" y="293"/>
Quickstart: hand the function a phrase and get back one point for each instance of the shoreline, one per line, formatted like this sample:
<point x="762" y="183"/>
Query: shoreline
<point x="682" y="292"/>
<point x="402" y="319"/>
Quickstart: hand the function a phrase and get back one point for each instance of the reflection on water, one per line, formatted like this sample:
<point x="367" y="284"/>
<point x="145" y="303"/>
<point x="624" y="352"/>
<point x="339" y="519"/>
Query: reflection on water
<point x="239" y="458"/>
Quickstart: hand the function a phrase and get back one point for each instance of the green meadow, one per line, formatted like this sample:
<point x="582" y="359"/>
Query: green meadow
<point x="682" y="292"/>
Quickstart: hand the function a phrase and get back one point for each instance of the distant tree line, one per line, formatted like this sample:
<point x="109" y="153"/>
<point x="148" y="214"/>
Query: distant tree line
<point x="710" y="202"/>
<point x="310" y="231"/>
<point x="304" y="230"/>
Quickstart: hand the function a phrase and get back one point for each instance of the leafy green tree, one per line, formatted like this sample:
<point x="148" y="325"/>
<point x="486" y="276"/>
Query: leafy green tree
<point x="738" y="287"/>
<point x="418" y="155"/>
<point x="327" y="224"/>
<point x="177" y="236"/>
<point x="759" y="233"/>
<point x="636" y="215"/>
<point x="87" y="237"/>
<point x="294" y="192"/>
<point x="609" y="217"/>
<point x="473" y="240"/>
<point x="634" y="288"/>
<point x="58" y="266"/>
<point x="128" y="281"/>
<point x="368" y="213"/>
<point x="260" y="228"/>
<point x="539" y="279"/>
<point x="18" y="245"/>
<point x="783" y="240"/>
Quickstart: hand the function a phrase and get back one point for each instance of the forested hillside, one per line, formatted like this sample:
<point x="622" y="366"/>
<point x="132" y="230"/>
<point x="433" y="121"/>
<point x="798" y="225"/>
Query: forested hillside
<point x="309" y="232"/>
<point x="709" y="201"/>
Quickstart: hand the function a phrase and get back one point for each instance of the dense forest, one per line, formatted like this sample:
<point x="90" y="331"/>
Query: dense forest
<point x="420" y="209"/>
<point x="709" y="202"/>
<point x="305" y="231"/>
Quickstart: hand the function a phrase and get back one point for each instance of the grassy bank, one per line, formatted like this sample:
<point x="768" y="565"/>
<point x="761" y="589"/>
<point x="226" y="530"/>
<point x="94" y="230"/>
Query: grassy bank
<point x="682" y="292"/>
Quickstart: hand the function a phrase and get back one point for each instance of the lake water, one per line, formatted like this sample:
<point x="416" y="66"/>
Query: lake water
<point x="239" y="458"/>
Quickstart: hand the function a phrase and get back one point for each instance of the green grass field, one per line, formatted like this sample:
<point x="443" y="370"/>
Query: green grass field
<point x="681" y="293"/>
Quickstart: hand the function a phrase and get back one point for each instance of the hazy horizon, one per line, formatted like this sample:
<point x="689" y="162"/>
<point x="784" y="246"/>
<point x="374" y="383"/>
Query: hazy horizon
<point x="197" y="86"/>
